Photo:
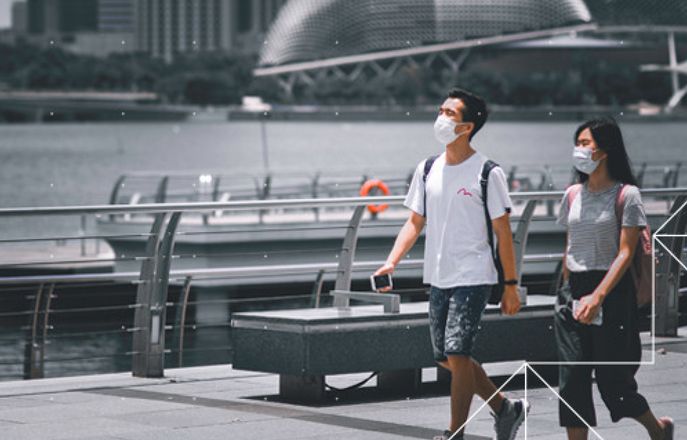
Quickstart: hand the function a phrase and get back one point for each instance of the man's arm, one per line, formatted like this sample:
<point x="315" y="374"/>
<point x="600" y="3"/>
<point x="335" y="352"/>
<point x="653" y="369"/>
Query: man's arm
<point x="510" y="304"/>
<point x="404" y="241"/>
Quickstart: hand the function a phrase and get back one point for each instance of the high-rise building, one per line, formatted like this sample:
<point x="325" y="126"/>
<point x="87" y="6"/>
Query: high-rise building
<point x="116" y="15"/>
<point x="92" y="27"/>
<point x="167" y="27"/>
<point x="54" y="17"/>
<point x="19" y="18"/>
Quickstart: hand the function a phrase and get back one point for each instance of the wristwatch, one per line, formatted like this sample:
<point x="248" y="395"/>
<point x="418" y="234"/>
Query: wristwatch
<point x="511" y="282"/>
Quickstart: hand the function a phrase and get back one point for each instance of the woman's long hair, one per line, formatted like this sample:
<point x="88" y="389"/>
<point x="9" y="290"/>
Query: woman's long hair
<point x="608" y="138"/>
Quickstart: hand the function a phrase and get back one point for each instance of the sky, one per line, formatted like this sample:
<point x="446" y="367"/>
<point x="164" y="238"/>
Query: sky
<point x="5" y="15"/>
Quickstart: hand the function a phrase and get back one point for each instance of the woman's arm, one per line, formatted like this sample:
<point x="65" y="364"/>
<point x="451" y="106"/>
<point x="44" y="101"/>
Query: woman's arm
<point x="629" y="236"/>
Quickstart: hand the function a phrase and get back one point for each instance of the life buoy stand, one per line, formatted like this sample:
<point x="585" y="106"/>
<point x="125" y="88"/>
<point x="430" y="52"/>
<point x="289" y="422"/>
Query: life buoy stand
<point x="369" y="186"/>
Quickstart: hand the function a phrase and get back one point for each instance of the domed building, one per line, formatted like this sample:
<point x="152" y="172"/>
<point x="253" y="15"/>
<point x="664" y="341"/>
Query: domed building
<point x="319" y="29"/>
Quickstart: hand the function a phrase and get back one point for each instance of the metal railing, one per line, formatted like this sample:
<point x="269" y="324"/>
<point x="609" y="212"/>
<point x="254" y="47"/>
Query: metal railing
<point x="149" y="326"/>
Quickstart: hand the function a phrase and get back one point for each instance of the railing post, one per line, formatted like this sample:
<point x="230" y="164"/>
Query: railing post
<point x="181" y="319"/>
<point x="317" y="290"/>
<point x="347" y="255"/>
<point x="82" y="232"/>
<point x="151" y="297"/>
<point x="521" y="234"/>
<point x="669" y="246"/>
<point x="34" y="350"/>
<point x="161" y="193"/>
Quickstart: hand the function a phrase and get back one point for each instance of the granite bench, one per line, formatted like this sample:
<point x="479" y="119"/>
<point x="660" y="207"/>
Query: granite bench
<point x="303" y="346"/>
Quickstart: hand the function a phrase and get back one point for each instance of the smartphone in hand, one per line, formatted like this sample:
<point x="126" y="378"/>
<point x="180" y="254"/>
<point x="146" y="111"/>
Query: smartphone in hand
<point x="598" y="319"/>
<point x="380" y="282"/>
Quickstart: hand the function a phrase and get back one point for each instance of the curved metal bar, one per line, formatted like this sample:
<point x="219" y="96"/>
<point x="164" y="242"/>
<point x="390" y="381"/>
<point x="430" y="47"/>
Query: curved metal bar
<point x="114" y="195"/>
<point x="161" y="192"/>
<point x="347" y="255"/>
<point x="152" y="294"/>
<point x="33" y="349"/>
<point x="521" y="235"/>
<point x="317" y="289"/>
<point x="186" y="291"/>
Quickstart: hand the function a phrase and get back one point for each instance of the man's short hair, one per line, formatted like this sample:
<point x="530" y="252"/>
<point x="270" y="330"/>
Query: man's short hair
<point x="474" y="108"/>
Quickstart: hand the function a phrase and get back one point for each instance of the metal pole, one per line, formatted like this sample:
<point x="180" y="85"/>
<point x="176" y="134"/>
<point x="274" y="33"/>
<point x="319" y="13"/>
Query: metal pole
<point x="672" y="54"/>
<point x="347" y="255"/>
<point x="263" y="134"/>
<point x="149" y="344"/>
<point x="82" y="231"/>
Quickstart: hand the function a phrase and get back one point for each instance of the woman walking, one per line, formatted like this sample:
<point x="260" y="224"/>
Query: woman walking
<point x="596" y="318"/>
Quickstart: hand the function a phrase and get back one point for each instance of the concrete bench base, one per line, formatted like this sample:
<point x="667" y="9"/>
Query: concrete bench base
<point x="305" y="345"/>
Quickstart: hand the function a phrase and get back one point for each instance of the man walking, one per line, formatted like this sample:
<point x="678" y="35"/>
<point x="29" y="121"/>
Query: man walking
<point x="458" y="262"/>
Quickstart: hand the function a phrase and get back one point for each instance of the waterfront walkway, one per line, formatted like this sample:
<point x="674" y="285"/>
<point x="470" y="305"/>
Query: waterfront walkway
<point x="218" y="402"/>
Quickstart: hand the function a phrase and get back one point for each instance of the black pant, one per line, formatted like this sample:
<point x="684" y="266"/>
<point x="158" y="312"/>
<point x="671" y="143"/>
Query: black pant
<point x="616" y="340"/>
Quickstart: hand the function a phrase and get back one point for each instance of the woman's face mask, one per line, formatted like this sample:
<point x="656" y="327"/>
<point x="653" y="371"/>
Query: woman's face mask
<point x="582" y="158"/>
<point x="445" y="130"/>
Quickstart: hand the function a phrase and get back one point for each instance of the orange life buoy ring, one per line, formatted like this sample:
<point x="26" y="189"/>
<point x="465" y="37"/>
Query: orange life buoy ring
<point x="369" y="186"/>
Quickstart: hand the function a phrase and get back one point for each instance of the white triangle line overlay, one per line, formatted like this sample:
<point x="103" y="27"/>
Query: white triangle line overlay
<point x="562" y="400"/>
<point x="671" y="254"/>
<point x="527" y="366"/>
<point x="486" y="402"/>
<point x="677" y="211"/>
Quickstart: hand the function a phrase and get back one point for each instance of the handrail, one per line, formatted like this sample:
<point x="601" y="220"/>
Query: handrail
<point x="243" y="271"/>
<point x="157" y="208"/>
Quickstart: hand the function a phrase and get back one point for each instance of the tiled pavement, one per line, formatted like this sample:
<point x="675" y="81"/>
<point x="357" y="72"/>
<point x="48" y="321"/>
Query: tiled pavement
<point x="217" y="402"/>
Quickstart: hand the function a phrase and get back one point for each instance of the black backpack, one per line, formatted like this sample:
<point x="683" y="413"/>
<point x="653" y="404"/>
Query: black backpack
<point x="497" y="290"/>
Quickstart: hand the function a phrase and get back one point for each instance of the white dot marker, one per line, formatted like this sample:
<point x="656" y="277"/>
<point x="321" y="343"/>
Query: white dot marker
<point x="123" y="113"/>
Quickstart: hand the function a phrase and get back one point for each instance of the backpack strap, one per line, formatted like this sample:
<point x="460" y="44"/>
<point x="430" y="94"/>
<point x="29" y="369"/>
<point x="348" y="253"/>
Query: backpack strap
<point x="428" y="166"/>
<point x="573" y="191"/>
<point x="484" y="184"/>
<point x="620" y="206"/>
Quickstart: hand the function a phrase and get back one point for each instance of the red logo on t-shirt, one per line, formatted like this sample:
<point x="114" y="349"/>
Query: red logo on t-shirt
<point x="465" y="192"/>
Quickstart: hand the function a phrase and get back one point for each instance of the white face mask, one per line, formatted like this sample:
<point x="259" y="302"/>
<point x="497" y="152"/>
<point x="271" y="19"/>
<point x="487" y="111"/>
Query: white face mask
<point x="445" y="130"/>
<point x="582" y="158"/>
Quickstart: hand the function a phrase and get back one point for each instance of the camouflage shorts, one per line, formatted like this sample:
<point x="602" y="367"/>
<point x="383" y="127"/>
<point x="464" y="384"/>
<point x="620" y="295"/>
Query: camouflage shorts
<point x="454" y="318"/>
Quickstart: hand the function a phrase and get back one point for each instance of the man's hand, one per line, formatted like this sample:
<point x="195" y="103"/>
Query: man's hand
<point x="510" y="303"/>
<point x="388" y="268"/>
<point x="589" y="308"/>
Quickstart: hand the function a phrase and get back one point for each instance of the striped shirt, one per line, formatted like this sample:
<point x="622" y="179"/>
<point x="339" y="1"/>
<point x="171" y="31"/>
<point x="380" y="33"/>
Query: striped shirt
<point x="593" y="235"/>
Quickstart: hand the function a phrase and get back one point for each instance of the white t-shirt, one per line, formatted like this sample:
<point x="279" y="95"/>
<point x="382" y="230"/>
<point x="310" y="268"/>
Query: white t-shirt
<point x="457" y="251"/>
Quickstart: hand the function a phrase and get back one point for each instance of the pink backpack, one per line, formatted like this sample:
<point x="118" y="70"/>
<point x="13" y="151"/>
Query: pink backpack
<point x="640" y="267"/>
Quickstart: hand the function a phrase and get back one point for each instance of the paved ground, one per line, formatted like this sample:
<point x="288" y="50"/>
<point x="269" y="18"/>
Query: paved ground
<point x="220" y="403"/>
